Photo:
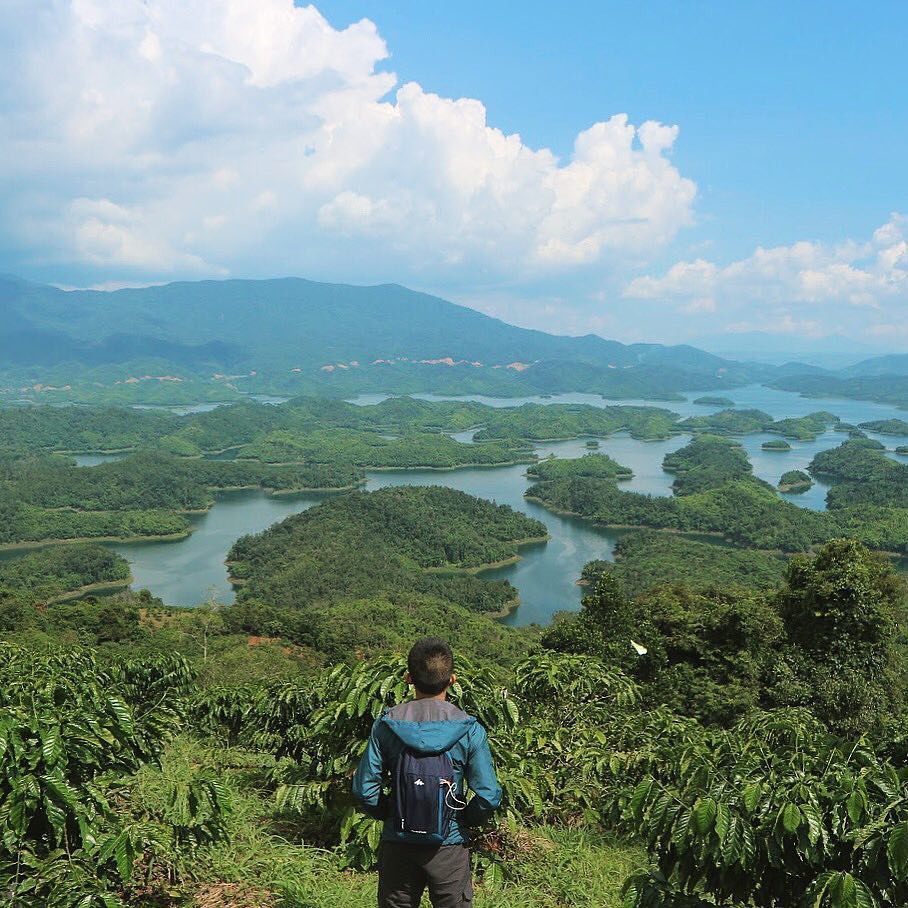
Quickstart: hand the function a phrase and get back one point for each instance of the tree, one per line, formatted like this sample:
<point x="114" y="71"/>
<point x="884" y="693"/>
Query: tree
<point x="841" y="611"/>
<point x="207" y="621"/>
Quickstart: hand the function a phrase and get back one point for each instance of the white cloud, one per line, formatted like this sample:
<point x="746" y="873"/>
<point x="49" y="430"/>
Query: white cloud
<point x="159" y="137"/>
<point x="865" y="284"/>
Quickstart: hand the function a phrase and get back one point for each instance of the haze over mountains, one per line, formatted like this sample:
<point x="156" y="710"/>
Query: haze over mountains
<point x="296" y="336"/>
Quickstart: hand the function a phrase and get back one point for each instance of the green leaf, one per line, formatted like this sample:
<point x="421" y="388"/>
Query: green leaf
<point x="855" y="806"/>
<point x="897" y="851"/>
<point x="791" y="817"/>
<point x="751" y="796"/>
<point x="723" y="820"/>
<point x="704" y="813"/>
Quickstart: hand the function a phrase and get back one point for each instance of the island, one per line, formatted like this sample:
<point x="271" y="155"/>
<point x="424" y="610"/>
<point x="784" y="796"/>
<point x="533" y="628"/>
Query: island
<point x="897" y="427"/>
<point x="776" y="444"/>
<point x="600" y="465"/>
<point x="708" y="401"/>
<point x="144" y="496"/>
<point x="714" y="496"/>
<point x="795" y="481"/>
<point x="394" y="542"/>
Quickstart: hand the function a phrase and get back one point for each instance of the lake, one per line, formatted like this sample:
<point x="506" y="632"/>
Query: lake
<point x="188" y="571"/>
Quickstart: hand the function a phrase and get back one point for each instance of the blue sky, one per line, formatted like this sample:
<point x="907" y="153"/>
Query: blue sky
<point x="747" y="173"/>
<point x="793" y="116"/>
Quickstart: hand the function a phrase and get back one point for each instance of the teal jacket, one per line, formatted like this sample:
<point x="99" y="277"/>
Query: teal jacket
<point x="430" y="727"/>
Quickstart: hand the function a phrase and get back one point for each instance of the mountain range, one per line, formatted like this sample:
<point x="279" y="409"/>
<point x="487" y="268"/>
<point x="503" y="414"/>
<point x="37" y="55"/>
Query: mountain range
<point x="292" y="335"/>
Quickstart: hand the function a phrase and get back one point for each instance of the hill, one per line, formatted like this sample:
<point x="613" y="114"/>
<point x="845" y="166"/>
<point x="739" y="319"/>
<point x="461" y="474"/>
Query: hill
<point x="291" y="336"/>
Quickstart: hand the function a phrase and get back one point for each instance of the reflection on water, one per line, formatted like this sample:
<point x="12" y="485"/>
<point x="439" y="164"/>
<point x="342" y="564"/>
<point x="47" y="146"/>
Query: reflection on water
<point x="188" y="571"/>
<point x="92" y="460"/>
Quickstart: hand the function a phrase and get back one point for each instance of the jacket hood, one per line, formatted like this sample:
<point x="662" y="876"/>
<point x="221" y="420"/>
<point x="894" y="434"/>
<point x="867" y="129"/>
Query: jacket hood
<point x="428" y="727"/>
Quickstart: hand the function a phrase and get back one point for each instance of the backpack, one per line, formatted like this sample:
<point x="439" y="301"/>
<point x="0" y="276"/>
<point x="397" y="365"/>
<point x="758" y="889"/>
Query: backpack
<point x="423" y="797"/>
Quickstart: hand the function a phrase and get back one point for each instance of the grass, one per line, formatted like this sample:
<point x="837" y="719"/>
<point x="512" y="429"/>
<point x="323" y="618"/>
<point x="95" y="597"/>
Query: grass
<point x="259" y="866"/>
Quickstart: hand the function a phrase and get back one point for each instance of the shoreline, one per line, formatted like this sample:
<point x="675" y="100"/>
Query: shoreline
<point x="490" y="565"/>
<point x="101" y="586"/>
<point x="73" y="540"/>
<point x="460" y="466"/>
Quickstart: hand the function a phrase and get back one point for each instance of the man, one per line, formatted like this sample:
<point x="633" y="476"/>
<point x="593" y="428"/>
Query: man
<point x="428" y="748"/>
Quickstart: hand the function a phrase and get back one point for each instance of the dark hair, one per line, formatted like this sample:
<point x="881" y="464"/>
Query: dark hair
<point x="431" y="664"/>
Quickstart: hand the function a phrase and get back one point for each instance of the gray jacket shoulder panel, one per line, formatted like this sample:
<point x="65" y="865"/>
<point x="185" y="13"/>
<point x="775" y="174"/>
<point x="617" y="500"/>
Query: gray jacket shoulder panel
<point x="426" y="711"/>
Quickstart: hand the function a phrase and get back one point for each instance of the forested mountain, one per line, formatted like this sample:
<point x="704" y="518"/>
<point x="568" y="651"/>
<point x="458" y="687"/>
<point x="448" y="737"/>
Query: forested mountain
<point x="294" y="334"/>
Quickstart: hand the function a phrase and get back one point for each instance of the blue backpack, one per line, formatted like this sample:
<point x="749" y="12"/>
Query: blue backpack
<point x="423" y="796"/>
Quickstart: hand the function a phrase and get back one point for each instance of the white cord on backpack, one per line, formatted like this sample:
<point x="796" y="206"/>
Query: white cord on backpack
<point x="458" y="804"/>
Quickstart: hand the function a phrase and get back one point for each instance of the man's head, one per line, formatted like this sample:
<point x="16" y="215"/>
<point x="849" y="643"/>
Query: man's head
<point x="430" y="666"/>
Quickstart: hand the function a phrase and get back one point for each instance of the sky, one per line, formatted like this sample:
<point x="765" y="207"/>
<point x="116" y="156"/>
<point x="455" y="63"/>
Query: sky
<point x="680" y="172"/>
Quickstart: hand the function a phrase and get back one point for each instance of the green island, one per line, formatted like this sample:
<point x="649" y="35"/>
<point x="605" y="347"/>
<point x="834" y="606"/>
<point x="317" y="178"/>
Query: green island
<point x="325" y="427"/>
<point x="795" y="481"/>
<point x="883" y="389"/>
<point x="716" y="494"/>
<point x="600" y="465"/>
<point x="902" y="449"/>
<point x="862" y="475"/>
<point x="545" y="422"/>
<point x="776" y="444"/>
<point x="370" y="450"/>
<point x="141" y="496"/>
<point x="400" y="539"/>
<point x="898" y="427"/>
<point x="746" y="422"/>
<point x="708" y="401"/>
<point x="62" y="572"/>
<point x="706" y="462"/>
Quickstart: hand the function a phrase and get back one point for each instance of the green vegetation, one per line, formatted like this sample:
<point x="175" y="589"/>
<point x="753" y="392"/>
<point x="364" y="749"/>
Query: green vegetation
<point x="367" y="449"/>
<point x="743" y="512"/>
<point x="203" y="756"/>
<point x="805" y="428"/>
<point x="599" y="465"/>
<point x="728" y="422"/>
<point x="862" y="474"/>
<point x="795" y="481"/>
<point x="717" y="726"/>
<point x="312" y="427"/>
<point x="644" y="559"/>
<point x="716" y="494"/>
<point x="384" y="542"/>
<point x="542" y="422"/>
<point x="745" y="422"/>
<point x="884" y="389"/>
<point x="707" y="462"/>
<point x="827" y="639"/>
<point x="776" y="444"/>
<point x="886" y="427"/>
<point x="708" y="401"/>
<point x="58" y="572"/>
<point x="902" y="449"/>
<point x="49" y="498"/>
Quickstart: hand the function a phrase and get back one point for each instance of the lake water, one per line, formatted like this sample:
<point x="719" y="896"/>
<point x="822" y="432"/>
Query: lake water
<point x="188" y="571"/>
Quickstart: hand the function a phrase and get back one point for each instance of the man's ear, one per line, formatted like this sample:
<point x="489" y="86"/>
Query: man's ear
<point x="453" y="680"/>
<point x="408" y="678"/>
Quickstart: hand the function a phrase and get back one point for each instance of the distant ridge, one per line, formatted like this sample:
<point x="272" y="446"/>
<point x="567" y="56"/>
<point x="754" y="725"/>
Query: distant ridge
<point x="294" y="336"/>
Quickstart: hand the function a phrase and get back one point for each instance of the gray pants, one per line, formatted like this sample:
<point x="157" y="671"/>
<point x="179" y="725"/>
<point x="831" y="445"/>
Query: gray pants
<point x="404" y="871"/>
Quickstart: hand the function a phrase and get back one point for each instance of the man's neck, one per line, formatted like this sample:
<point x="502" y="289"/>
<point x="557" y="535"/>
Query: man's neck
<point x="418" y="695"/>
